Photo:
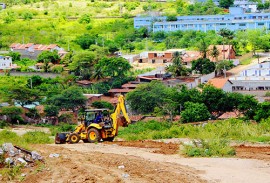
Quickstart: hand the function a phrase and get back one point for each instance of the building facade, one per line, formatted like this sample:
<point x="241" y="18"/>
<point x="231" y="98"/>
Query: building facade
<point x="235" y="20"/>
<point x="5" y="62"/>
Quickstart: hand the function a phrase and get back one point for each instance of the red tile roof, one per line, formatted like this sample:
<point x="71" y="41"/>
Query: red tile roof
<point x="129" y="85"/>
<point x="84" y="82"/>
<point x="228" y="115"/>
<point x="218" y="82"/>
<point x="119" y="90"/>
<point x="13" y="45"/>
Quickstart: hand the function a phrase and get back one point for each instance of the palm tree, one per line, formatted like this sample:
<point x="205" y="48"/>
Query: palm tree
<point x="177" y="67"/>
<point x="215" y="53"/>
<point x="226" y="34"/>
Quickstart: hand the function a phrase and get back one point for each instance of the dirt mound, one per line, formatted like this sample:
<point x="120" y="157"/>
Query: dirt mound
<point x="160" y="147"/>
<point x="253" y="152"/>
<point x="75" y="166"/>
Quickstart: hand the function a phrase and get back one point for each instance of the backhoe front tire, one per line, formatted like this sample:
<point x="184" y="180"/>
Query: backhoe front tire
<point x="93" y="135"/>
<point x="74" y="138"/>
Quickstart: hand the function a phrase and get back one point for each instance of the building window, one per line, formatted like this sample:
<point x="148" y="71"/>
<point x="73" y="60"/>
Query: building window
<point x="242" y="24"/>
<point x="155" y="54"/>
<point x="260" y="88"/>
<point x="153" y="61"/>
<point x="260" y="23"/>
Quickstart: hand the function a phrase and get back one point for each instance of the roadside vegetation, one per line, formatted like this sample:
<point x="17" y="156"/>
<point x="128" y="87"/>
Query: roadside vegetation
<point x="211" y="139"/>
<point x="35" y="137"/>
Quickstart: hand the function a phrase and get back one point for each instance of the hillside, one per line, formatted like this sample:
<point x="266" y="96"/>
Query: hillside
<point x="61" y="21"/>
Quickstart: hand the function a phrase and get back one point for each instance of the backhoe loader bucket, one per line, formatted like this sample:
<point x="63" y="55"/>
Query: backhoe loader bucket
<point x="61" y="138"/>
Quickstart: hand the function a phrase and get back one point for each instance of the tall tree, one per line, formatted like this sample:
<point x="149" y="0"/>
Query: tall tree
<point x="177" y="68"/>
<point x="194" y="112"/>
<point x="226" y="3"/>
<point x="23" y="95"/>
<point x="203" y="66"/>
<point x="112" y="67"/>
<point x="70" y="99"/>
<point x="83" y="64"/>
<point x="226" y="34"/>
<point x="215" y="53"/>
<point x="49" y="56"/>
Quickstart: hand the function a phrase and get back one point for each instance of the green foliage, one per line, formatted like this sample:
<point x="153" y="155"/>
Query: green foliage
<point x="16" y="56"/>
<point x="13" y="113"/>
<point x="263" y="111"/>
<point x="148" y="96"/>
<point x="102" y="104"/>
<point x="171" y="17"/>
<point x="194" y="112"/>
<point x="226" y="3"/>
<point x="177" y="68"/>
<point x="52" y="57"/>
<point x="3" y="124"/>
<point x="86" y="40"/>
<point x="51" y="110"/>
<point x="212" y="133"/>
<point x="62" y="127"/>
<point x="267" y="94"/>
<point x="71" y="98"/>
<point x="37" y="137"/>
<point x="23" y="95"/>
<point x="83" y="64"/>
<point x="85" y="19"/>
<point x="112" y="67"/>
<point x="203" y="66"/>
<point x="10" y="173"/>
<point x="213" y="147"/>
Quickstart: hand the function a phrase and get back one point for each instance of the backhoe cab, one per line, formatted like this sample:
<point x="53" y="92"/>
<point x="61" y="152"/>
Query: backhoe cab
<point x="97" y="125"/>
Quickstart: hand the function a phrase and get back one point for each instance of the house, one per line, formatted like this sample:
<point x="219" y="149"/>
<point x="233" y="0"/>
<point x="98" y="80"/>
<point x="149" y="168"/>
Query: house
<point x="92" y="98"/>
<point x="129" y="86"/>
<point x="237" y="19"/>
<point x="159" y="57"/>
<point x="6" y="63"/>
<point x="222" y="83"/>
<point x="190" y="56"/>
<point x="118" y="91"/>
<point x="31" y="50"/>
<point x="84" y="83"/>
<point x="226" y="52"/>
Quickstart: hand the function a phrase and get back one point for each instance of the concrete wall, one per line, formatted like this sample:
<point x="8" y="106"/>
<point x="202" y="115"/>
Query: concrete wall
<point x="205" y="78"/>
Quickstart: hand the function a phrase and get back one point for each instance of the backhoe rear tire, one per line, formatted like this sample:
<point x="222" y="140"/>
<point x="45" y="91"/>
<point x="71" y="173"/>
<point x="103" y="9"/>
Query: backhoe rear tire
<point x="74" y="138"/>
<point x="93" y="135"/>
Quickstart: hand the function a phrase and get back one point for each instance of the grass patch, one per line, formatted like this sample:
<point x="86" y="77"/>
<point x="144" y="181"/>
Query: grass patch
<point x="247" y="61"/>
<point x="62" y="127"/>
<point x="35" y="137"/>
<point x="214" y="137"/>
<point x="10" y="173"/>
<point x="213" y="147"/>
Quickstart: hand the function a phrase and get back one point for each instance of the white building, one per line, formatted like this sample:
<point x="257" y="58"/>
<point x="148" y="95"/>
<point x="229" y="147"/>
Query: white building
<point x="5" y="62"/>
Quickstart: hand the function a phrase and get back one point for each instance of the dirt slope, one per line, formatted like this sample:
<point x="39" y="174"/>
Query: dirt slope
<point x="147" y="161"/>
<point x="86" y="165"/>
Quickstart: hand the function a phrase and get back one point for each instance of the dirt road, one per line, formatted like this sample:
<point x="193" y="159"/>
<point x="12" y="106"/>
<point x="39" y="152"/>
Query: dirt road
<point x="148" y="161"/>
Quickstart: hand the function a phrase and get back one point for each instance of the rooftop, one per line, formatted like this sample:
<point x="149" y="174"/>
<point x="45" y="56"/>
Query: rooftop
<point x="218" y="82"/>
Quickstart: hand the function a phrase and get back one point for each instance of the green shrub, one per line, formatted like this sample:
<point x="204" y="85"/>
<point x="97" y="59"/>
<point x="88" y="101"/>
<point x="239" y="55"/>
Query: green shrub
<point x="208" y="148"/>
<point x="37" y="137"/>
<point x="3" y="124"/>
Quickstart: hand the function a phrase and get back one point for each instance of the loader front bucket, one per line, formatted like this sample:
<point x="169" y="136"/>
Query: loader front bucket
<point x="61" y="138"/>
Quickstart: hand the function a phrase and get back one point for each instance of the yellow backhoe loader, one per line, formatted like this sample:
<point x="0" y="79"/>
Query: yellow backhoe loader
<point x="97" y="125"/>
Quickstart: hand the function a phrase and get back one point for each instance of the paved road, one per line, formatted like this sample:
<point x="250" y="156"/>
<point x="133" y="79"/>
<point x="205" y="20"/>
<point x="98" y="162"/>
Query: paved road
<point x="236" y="70"/>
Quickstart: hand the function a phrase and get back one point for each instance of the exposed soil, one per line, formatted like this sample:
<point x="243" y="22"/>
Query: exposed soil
<point x="159" y="147"/>
<point x="76" y="166"/>
<point x="147" y="161"/>
<point x="253" y="152"/>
